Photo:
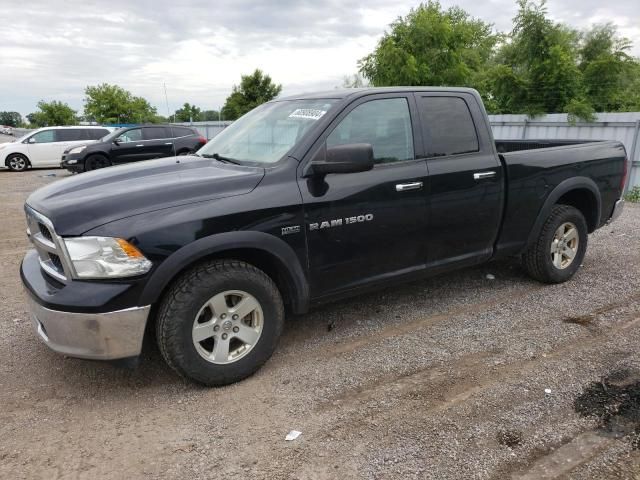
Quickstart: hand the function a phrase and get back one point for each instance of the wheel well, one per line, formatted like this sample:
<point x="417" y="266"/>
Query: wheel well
<point x="261" y="259"/>
<point x="6" y="160"/>
<point x="585" y="201"/>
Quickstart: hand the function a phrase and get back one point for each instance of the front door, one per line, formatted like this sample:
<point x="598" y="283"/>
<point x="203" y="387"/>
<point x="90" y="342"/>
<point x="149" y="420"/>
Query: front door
<point x="465" y="180"/>
<point x="44" y="149"/>
<point x="365" y="227"/>
<point x="130" y="147"/>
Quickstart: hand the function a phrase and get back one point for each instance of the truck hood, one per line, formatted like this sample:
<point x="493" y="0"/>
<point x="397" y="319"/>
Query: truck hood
<point x="91" y="199"/>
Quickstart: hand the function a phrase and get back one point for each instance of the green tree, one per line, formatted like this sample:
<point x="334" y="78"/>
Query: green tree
<point x="113" y="104"/>
<point x="254" y="90"/>
<point x="431" y="46"/>
<point x="210" y="115"/>
<point x="537" y="71"/>
<point x="10" y="119"/>
<point x="611" y="76"/>
<point x="188" y="113"/>
<point x="52" y="113"/>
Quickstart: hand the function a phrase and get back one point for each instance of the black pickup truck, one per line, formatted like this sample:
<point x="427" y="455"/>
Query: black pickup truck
<point x="303" y="200"/>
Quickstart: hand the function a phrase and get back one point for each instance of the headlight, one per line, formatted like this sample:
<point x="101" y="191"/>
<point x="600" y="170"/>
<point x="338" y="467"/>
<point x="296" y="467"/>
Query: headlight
<point x="72" y="162"/>
<point x="105" y="257"/>
<point x="77" y="149"/>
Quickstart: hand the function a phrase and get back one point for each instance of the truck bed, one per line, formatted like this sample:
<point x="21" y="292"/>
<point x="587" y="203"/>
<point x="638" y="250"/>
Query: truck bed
<point x="534" y="168"/>
<point x="505" y="146"/>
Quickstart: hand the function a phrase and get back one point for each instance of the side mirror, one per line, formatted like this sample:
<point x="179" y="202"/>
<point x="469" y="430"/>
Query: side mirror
<point x="116" y="141"/>
<point x="32" y="140"/>
<point x="351" y="158"/>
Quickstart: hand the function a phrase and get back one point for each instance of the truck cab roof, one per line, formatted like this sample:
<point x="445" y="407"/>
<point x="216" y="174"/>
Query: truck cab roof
<point x="351" y="93"/>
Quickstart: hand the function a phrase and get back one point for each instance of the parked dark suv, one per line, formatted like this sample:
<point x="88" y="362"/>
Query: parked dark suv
<point x="131" y="145"/>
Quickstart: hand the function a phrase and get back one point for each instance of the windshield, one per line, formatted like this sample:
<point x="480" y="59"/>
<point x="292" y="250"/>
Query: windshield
<point x="267" y="133"/>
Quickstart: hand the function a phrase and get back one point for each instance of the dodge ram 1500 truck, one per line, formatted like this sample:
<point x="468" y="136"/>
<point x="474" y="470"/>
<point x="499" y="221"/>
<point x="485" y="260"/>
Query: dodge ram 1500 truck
<point x="301" y="201"/>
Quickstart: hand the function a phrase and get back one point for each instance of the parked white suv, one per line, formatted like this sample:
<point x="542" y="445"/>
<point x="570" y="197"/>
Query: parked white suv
<point x="44" y="147"/>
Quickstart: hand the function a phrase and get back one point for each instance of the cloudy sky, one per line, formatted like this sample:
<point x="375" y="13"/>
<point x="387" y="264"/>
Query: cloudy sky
<point x="52" y="49"/>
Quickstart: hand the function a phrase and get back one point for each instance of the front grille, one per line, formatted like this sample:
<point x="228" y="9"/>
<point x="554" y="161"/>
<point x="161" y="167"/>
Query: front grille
<point x="48" y="244"/>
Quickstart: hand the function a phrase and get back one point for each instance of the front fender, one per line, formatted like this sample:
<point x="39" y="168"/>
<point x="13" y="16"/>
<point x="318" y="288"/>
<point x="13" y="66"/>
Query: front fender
<point x="215" y="244"/>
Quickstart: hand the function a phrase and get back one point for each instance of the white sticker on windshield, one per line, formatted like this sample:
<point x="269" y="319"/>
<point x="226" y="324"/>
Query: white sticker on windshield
<point x="309" y="113"/>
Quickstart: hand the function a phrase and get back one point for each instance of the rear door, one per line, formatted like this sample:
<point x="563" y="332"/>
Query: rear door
<point x="158" y="142"/>
<point x="71" y="137"/>
<point x="365" y="227"/>
<point x="465" y="197"/>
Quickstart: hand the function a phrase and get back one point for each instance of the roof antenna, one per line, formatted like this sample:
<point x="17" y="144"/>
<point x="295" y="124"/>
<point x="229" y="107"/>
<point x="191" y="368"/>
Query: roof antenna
<point x="173" y="138"/>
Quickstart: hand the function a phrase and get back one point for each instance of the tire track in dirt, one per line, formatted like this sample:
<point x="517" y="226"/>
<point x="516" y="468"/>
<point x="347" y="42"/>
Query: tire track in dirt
<point x="442" y="391"/>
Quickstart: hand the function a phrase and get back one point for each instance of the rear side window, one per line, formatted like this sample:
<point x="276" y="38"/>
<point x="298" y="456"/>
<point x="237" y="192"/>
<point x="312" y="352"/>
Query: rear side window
<point x="384" y="123"/>
<point x="95" y="133"/>
<point x="448" y="126"/>
<point x="175" y="132"/>
<point x="69" y="134"/>
<point x="155" y="133"/>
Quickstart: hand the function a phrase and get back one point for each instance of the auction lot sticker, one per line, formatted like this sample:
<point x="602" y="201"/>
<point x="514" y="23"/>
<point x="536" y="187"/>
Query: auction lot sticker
<point x="310" y="113"/>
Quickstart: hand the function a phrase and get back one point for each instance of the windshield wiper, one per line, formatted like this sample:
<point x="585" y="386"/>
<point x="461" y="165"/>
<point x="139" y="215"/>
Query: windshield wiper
<point x="220" y="158"/>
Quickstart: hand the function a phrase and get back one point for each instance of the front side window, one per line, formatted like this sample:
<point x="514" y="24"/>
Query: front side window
<point x="385" y="124"/>
<point x="134" y="135"/>
<point x="448" y="126"/>
<point x="267" y="133"/>
<point x="46" y="136"/>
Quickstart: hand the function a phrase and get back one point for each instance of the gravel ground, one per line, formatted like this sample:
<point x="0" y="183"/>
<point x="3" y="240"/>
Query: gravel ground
<point x="454" y="377"/>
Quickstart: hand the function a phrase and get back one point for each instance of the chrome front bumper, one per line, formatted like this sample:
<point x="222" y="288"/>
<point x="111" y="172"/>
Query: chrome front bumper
<point x="99" y="336"/>
<point x="617" y="210"/>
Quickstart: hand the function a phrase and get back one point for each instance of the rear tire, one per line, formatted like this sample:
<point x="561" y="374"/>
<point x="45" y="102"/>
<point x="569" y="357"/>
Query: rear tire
<point x="198" y="332"/>
<point x="94" y="162"/>
<point x="17" y="162"/>
<point x="560" y="248"/>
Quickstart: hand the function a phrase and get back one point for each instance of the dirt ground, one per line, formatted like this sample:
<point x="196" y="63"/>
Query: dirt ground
<point x="459" y="376"/>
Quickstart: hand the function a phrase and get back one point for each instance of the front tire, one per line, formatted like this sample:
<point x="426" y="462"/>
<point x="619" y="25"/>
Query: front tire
<point x="560" y="248"/>
<point x="94" y="162"/>
<point x="220" y="322"/>
<point x="17" y="162"/>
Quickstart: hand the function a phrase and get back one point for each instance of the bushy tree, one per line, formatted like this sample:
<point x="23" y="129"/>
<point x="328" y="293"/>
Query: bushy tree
<point x="52" y="114"/>
<point x="254" y="90"/>
<point x="10" y="119"/>
<point x="431" y="46"/>
<point x="210" y="115"/>
<point x="546" y="67"/>
<point x="113" y="104"/>
<point x="611" y="76"/>
<point x="188" y="113"/>
<point x="539" y="67"/>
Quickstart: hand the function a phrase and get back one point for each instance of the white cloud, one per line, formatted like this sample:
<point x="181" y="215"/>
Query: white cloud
<point x="53" y="49"/>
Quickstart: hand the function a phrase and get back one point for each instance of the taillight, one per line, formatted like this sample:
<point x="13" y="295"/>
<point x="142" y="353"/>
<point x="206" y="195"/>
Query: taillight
<point x="625" y="173"/>
<point x="202" y="140"/>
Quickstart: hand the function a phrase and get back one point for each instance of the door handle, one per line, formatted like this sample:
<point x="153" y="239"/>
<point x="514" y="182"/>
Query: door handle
<point x="168" y="143"/>
<point x="404" y="187"/>
<point x="139" y="145"/>
<point x="483" y="175"/>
